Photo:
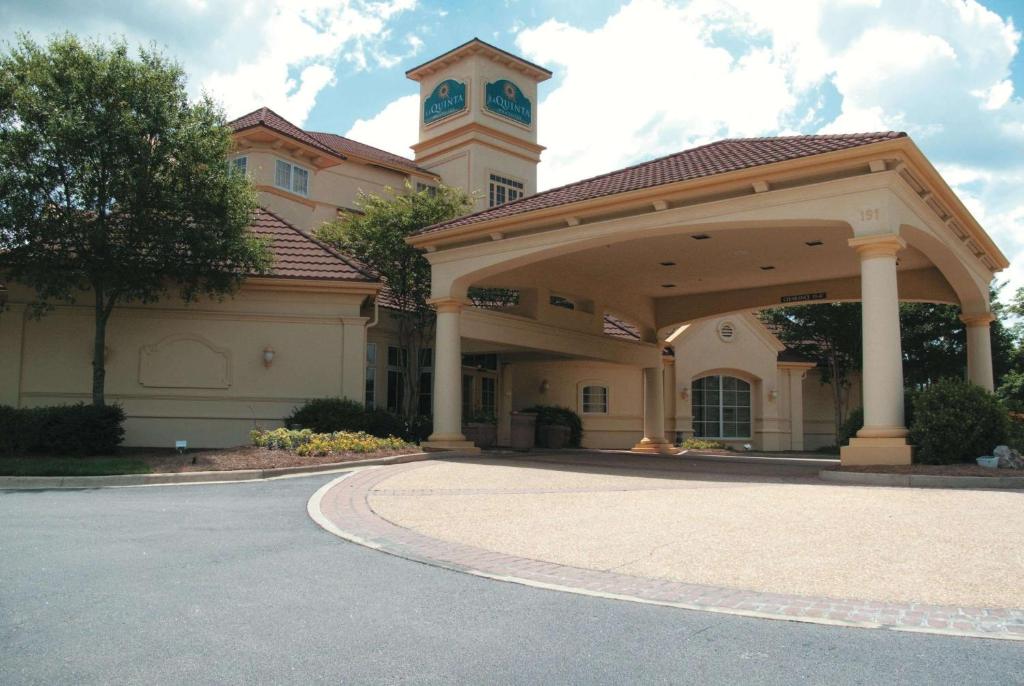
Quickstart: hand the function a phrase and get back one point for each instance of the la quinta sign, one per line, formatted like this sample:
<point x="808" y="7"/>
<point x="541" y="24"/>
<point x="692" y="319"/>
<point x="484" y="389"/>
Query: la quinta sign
<point x="504" y="98"/>
<point x="447" y="98"/>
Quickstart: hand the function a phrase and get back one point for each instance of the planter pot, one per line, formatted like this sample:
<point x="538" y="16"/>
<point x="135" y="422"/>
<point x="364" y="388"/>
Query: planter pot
<point x="990" y="462"/>
<point x="483" y="435"/>
<point x="523" y="430"/>
<point x="553" y="436"/>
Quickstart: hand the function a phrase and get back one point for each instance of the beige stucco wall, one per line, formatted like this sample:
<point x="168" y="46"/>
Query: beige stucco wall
<point x="192" y="372"/>
<point x="751" y="355"/>
<point x="819" y="415"/>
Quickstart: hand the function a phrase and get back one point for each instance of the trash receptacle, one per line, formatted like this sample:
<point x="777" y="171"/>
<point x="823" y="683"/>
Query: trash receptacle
<point x="524" y="427"/>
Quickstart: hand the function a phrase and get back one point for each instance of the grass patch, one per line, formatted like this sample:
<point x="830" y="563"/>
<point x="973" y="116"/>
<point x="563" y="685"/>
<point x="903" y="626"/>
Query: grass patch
<point x="71" y="466"/>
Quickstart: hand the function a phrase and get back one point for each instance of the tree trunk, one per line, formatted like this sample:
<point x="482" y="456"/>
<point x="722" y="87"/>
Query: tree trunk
<point x="99" y="347"/>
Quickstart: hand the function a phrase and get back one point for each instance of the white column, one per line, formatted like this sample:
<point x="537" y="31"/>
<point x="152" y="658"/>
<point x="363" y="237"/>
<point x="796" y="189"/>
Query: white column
<point x="883" y="438"/>
<point x="979" y="350"/>
<point x="448" y="379"/>
<point x="654" y="413"/>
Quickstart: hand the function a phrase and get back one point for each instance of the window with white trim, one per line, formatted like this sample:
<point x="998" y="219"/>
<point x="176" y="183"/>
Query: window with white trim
<point x="721" y="407"/>
<point x="504" y="189"/>
<point x="291" y="177"/>
<point x="371" y="375"/>
<point x="595" y="399"/>
<point x="238" y="164"/>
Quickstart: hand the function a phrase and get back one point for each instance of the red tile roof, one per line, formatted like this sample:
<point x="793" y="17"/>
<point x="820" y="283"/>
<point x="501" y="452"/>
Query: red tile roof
<point x="299" y="256"/>
<point x="265" y="116"/>
<point x="616" y="328"/>
<point x="347" y="146"/>
<point x="720" y="157"/>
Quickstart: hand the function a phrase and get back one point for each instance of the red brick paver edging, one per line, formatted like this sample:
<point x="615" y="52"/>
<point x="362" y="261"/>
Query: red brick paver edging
<point x="342" y="507"/>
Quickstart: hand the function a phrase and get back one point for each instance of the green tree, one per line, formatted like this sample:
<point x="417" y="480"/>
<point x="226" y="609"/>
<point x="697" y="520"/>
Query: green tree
<point x="830" y="335"/>
<point x="377" y="238"/>
<point x="113" y="184"/>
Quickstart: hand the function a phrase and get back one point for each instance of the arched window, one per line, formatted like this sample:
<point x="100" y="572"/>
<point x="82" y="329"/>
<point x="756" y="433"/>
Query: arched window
<point x="721" y="407"/>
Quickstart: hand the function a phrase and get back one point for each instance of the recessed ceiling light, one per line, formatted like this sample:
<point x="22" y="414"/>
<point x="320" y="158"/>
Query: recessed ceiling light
<point x="767" y="268"/>
<point x="668" y="285"/>
<point x="700" y="236"/>
<point x="667" y="264"/>
<point x="814" y="244"/>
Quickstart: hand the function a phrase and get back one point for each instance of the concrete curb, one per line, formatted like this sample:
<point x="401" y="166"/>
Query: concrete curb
<point x="217" y="477"/>
<point x="922" y="480"/>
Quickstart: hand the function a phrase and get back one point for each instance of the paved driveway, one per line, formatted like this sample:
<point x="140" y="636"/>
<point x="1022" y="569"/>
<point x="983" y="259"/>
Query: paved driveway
<point x="234" y="584"/>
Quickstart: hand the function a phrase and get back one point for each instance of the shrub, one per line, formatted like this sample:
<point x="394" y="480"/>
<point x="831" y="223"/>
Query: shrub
<point x="329" y="415"/>
<point x="420" y="428"/>
<point x="1011" y="391"/>
<point x="562" y="416"/>
<point x="955" y="421"/>
<point x="304" y="442"/>
<point x="324" y="415"/>
<point x="61" y="429"/>
<point x="703" y="444"/>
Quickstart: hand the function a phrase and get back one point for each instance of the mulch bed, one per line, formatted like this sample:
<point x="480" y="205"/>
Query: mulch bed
<point x="250" y="458"/>
<point x="965" y="469"/>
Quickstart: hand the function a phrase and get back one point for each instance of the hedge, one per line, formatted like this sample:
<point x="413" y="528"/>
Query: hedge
<point x="955" y="421"/>
<point x="331" y="415"/>
<point x="61" y="429"/>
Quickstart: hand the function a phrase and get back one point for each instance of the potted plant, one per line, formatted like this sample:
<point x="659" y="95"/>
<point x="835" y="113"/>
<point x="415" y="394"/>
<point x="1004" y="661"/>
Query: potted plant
<point x="481" y="428"/>
<point x="557" y="427"/>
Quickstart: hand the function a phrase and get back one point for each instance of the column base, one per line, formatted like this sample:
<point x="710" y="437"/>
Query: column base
<point x="656" y="447"/>
<point x="876" y="451"/>
<point x="443" y="442"/>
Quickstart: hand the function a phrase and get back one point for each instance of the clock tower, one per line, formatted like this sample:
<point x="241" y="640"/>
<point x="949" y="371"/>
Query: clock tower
<point x="478" y="121"/>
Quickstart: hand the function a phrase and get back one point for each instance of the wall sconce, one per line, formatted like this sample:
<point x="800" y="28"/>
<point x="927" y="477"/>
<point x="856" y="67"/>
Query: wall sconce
<point x="773" y="395"/>
<point x="268" y="356"/>
<point x="544" y="386"/>
<point x="684" y="393"/>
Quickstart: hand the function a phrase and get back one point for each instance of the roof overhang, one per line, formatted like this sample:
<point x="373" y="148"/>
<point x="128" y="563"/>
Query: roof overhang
<point x="899" y="154"/>
<point x="473" y="47"/>
<point x="262" y="135"/>
<point x="298" y="285"/>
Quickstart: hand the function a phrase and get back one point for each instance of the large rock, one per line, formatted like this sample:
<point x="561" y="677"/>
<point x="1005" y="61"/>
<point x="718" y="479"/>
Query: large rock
<point x="1009" y="458"/>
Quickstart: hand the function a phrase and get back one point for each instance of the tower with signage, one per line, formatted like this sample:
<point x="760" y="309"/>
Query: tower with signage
<point x="478" y="121"/>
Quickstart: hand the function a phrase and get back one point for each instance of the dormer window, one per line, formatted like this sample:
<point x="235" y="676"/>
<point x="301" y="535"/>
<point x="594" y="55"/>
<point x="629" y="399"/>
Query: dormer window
<point x="292" y="178"/>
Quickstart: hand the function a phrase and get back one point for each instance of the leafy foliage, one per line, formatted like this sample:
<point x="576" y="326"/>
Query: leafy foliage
<point x="113" y="183"/>
<point x="61" y="429"/>
<point x="702" y="444"/>
<point x="377" y="238"/>
<point x="955" y="421"/>
<point x="328" y="415"/>
<point x="1011" y="391"/>
<point x="562" y="416"/>
<point x="306" y="442"/>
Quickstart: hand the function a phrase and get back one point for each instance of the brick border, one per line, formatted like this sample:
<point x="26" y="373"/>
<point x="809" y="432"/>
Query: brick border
<point x="342" y="507"/>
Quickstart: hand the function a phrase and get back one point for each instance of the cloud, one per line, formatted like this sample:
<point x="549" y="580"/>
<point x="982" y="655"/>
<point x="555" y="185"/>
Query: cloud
<point x="394" y="128"/>
<point x="246" y="54"/>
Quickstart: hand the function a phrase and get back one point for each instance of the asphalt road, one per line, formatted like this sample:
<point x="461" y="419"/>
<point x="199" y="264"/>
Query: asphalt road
<point x="234" y="584"/>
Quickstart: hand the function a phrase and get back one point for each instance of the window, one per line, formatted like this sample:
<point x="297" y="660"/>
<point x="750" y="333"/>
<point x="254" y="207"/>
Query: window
<point x="426" y="370"/>
<point x="292" y="178"/>
<point x="595" y="400"/>
<point x="488" y="404"/>
<point x="371" y="375"/>
<point x="420" y="187"/>
<point x="467" y="396"/>
<point x="397" y="358"/>
<point x="238" y="164"/>
<point x="562" y="301"/>
<point x="721" y="407"/>
<point x="503" y="190"/>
